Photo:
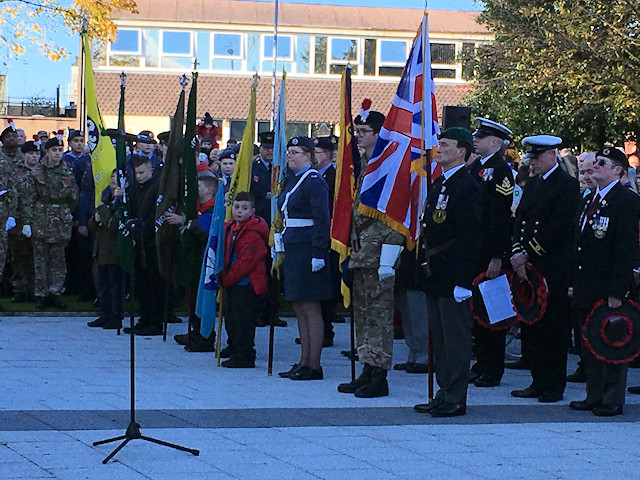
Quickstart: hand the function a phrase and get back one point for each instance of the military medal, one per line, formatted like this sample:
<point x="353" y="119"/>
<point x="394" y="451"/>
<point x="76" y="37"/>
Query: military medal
<point x="487" y="174"/>
<point x="600" y="226"/>
<point x="439" y="214"/>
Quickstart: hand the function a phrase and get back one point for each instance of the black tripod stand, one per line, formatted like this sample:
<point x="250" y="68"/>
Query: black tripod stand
<point x="134" y="226"/>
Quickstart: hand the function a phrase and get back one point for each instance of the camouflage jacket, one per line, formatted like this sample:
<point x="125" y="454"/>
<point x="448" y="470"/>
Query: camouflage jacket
<point x="19" y="188"/>
<point x="370" y="232"/>
<point x="50" y="197"/>
<point x="8" y="196"/>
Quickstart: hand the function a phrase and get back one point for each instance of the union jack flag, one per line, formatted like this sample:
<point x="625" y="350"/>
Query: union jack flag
<point x="394" y="186"/>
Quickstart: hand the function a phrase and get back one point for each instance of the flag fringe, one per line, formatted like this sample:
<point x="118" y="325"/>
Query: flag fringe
<point x="397" y="226"/>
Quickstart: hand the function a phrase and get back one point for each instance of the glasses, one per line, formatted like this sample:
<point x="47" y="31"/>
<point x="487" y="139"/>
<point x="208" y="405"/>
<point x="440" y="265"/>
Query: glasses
<point x="294" y="152"/>
<point x="602" y="162"/>
<point x="363" y="131"/>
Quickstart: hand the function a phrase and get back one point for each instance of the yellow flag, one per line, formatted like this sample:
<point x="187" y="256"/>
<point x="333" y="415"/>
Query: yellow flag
<point x="103" y="153"/>
<point x="240" y="181"/>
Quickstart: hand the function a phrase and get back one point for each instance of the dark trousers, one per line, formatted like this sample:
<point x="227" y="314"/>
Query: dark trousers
<point x="451" y="333"/>
<point x="239" y="304"/>
<point x="111" y="292"/>
<point x="78" y="254"/>
<point x="490" y="346"/>
<point x="606" y="382"/>
<point x="545" y="343"/>
<point x="150" y="287"/>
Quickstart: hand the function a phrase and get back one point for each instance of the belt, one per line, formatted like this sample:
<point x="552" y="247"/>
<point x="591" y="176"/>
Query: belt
<point x="298" y="222"/>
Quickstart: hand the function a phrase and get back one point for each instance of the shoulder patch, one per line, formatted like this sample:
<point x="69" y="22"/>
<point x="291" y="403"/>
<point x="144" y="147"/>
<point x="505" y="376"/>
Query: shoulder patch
<point x="505" y="188"/>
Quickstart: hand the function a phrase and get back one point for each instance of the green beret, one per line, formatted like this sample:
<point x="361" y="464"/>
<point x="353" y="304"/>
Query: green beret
<point x="462" y="135"/>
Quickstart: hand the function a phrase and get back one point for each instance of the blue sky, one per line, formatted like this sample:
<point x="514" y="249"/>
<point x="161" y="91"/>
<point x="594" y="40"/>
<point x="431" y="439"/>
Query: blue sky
<point x="32" y="75"/>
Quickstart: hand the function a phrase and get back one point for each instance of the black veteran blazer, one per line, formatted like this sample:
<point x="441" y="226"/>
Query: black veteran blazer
<point x="457" y="265"/>
<point x="544" y="226"/>
<point x="261" y="189"/>
<point x="606" y="248"/>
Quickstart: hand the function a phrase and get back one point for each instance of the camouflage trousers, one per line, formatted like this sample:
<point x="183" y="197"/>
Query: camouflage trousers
<point x="373" y="316"/>
<point x="50" y="267"/>
<point x="4" y="246"/>
<point x="21" y="263"/>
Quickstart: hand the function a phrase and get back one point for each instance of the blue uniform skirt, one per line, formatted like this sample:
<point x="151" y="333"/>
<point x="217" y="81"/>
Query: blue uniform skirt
<point x="300" y="283"/>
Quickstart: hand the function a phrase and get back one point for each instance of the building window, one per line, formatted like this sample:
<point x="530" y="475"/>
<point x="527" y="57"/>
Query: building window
<point x="302" y="54"/>
<point x="468" y="60"/>
<point x="370" y="56"/>
<point x="294" y="129"/>
<point x="443" y="53"/>
<point x="443" y="73"/>
<point x="177" y="49"/>
<point x="227" y="52"/>
<point x="151" y="48"/>
<point x="393" y="57"/>
<point x="343" y="51"/>
<point x="125" y="51"/>
<point x="320" y="55"/>
<point x="236" y="128"/>
<point x="284" y="53"/>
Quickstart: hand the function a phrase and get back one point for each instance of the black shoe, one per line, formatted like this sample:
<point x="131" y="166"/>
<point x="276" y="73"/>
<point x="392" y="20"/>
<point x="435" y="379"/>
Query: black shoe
<point x="634" y="390"/>
<point x="338" y="319"/>
<point x="606" y="410"/>
<point x="550" y="397"/>
<point x="145" y="329"/>
<point x="577" y="377"/>
<point x="376" y="387"/>
<point x="19" y="298"/>
<point x="401" y="366"/>
<point x="427" y="407"/>
<point x="226" y="352"/>
<point x="350" y="354"/>
<point x="56" y="302"/>
<point x="327" y="342"/>
<point x="98" y="322"/>
<point x="516" y="365"/>
<point x="293" y="370"/>
<point x="42" y="302"/>
<point x="362" y="380"/>
<point x="583" y="405"/>
<point x="238" y="362"/>
<point x="528" y="392"/>
<point x="278" y="322"/>
<point x="487" y="381"/>
<point x="298" y="341"/>
<point x="307" y="373"/>
<point x="201" y="344"/>
<point x="417" y="368"/>
<point x="112" y="325"/>
<point x="174" y="319"/>
<point x="182" y="339"/>
<point x="474" y="375"/>
<point x="447" y="409"/>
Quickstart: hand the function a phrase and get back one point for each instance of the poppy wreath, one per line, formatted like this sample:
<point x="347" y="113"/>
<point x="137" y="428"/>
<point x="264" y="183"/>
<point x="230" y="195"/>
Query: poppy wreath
<point x="530" y="296"/>
<point x="613" y="334"/>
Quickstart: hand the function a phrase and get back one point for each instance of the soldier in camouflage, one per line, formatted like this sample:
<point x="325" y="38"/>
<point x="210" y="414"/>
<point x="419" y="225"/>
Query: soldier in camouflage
<point x="20" y="246"/>
<point x="374" y="250"/>
<point x="50" y="197"/>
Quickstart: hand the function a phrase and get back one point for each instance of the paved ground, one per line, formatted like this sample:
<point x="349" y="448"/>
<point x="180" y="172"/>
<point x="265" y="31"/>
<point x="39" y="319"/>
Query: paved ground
<point x="64" y="386"/>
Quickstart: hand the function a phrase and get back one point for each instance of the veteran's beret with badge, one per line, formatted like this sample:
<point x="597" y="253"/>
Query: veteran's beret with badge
<point x="369" y="117"/>
<point x="53" y="142"/>
<point x="6" y="131"/>
<point x="615" y="155"/>
<point x="489" y="128"/>
<point x="29" y="147"/>
<point x="266" y="139"/>
<point x="325" y="143"/>
<point x="537" y="144"/>
<point x="302" y="141"/>
<point x="462" y="135"/>
<point x="228" y="153"/>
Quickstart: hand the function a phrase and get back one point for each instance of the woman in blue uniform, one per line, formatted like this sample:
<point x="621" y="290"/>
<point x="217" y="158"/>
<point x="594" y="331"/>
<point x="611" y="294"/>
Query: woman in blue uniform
<point x="304" y="204"/>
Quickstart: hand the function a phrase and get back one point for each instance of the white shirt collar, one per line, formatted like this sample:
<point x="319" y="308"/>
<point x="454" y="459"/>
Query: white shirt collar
<point x="603" y="192"/>
<point x="551" y="170"/>
<point x="447" y="175"/>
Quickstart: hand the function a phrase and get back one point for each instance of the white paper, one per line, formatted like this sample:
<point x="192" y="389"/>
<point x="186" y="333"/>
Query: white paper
<point x="498" y="300"/>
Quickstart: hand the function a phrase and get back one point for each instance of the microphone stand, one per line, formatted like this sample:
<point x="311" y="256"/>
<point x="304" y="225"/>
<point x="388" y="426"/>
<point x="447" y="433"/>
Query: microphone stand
<point x="133" y="429"/>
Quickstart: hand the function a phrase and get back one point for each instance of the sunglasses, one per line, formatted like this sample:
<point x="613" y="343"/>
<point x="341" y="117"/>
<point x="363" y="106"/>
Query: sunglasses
<point x="602" y="162"/>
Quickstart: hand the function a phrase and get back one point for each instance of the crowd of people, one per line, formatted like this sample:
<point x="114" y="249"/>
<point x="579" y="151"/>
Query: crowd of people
<point x="572" y="221"/>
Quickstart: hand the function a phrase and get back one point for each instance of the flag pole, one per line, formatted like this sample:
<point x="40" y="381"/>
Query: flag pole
<point x="275" y="66"/>
<point x="83" y="101"/>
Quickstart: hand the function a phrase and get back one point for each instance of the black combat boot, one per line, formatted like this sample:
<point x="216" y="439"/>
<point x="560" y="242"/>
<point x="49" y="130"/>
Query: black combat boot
<point x="363" y="379"/>
<point x="42" y="302"/>
<point x="56" y="302"/>
<point x="376" y="387"/>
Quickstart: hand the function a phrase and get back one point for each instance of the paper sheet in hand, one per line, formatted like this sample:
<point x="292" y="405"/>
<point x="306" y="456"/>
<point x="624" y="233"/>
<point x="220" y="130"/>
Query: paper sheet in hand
<point x="497" y="298"/>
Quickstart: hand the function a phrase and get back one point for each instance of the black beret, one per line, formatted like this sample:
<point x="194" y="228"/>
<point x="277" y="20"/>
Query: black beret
<point x="75" y="133"/>
<point x="326" y="143"/>
<point x="615" y="155"/>
<point x="6" y="131"/>
<point x="302" y="141"/>
<point x="53" y="142"/>
<point x="228" y="153"/>
<point x="29" y="147"/>
<point x="374" y="119"/>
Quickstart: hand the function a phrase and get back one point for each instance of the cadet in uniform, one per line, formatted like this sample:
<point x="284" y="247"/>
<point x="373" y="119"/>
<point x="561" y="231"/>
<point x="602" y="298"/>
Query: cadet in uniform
<point x="10" y="157"/>
<point x="375" y="248"/>
<point x="606" y="249"/>
<point x="50" y="197"/>
<point x="450" y="225"/>
<point x="496" y="187"/>
<point x="542" y="237"/>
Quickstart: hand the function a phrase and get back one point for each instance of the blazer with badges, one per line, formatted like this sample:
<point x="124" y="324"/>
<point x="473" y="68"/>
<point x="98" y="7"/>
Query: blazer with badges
<point x="607" y="247"/>
<point x="452" y="213"/>
<point x="544" y="226"/>
<point x="310" y="201"/>
<point x="496" y="186"/>
<point x="261" y="189"/>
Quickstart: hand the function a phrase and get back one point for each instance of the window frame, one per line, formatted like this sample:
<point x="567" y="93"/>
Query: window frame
<point x="128" y="52"/>
<point x="354" y="63"/>
<point x="241" y="50"/>
<point x="380" y="64"/>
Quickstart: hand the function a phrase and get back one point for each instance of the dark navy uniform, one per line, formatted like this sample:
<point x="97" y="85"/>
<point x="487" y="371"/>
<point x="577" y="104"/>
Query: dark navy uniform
<point x="496" y="186"/>
<point x="543" y="229"/>
<point x="606" y="247"/>
<point x="261" y="188"/>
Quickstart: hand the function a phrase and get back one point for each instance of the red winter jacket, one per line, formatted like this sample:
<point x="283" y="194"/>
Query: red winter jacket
<point x="250" y="249"/>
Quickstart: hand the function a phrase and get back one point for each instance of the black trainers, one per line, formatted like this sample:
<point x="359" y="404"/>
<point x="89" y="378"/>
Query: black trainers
<point x="182" y="339"/>
<point x="238" y="362"/>
<point x="200" y="344"/>
<point x="98" y="322"/>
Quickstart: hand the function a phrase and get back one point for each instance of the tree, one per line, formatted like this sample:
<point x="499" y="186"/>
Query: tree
<point x="27" y="22"/>
<point x="565" y="67"/>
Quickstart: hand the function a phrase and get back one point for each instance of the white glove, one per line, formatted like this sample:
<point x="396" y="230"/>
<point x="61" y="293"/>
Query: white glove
<point x="317" y="264"/>
<point x="11" y="222"/>
<point x="388" y="256"/>
<point x="26" y="231"/>
<point x="460" y="294"/>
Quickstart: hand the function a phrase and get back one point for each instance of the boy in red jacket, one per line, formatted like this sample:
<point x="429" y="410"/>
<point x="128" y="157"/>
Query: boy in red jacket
<point x="243" y="279"/>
